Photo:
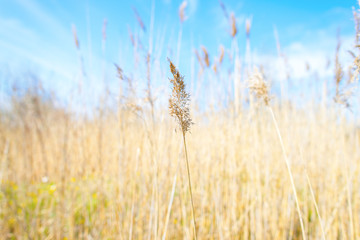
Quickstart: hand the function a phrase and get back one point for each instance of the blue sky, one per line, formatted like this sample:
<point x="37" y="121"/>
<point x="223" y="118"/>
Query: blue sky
<point x="37" y="37"/>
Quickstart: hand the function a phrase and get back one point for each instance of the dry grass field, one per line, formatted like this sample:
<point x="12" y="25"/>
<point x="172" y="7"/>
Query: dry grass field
<point x="261" y="167"/>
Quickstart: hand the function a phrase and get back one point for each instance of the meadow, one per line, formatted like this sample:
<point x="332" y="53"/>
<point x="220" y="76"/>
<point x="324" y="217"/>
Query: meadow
<point x="262" y="166"/>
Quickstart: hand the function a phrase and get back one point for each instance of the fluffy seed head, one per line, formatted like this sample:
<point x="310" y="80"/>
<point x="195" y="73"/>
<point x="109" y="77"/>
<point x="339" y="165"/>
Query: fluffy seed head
<point x="248" y="26"/>
<point x="339" y="74"/>
<point x="233" y="25"/>
<point x="222" y="51"/>
<point x="182" y="8"/>
<point x="179" y="100"/>
<point x="259" y="87"/>
<point x="77" y="44"/>
<point x="119" y="72"/>
<point x="206" y="56"/>
<point x="138" y="18"/>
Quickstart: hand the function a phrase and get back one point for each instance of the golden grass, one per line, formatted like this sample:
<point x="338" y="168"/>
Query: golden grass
<point x="118" y="173"/>
<point x="241" y="186"/>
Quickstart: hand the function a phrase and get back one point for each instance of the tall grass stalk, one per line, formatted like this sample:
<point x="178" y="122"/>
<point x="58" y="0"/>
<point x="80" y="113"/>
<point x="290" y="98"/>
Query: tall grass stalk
<point x="179" y="108"/>
<point x="314" y="199"/>
<point x="261" y="90"/>
<point x="190" y="189"/>
<point x="289" y="171"/>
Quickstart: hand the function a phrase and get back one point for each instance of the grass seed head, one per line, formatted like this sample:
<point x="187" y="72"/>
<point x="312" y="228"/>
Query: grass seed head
<point x="222" y="51"/>
<point x="119" y="72"/>
<point x="182" y="14"/>
<point x="259" y="87"/>
<point x="339" y="74"/>
<point x="206" y="56"/>
<point x="76" y="39"/>
<point x="233" y="25"/>
<point x="138" y="18"/>
<point x="248" y="27"/>
<point x="222" y="5"/>
<point x="179" y="100"/>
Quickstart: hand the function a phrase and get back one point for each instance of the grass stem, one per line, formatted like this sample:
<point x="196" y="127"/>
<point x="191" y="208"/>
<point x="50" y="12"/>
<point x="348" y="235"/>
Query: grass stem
<point x="289" y="171"/>
<point x="190" y="189"/>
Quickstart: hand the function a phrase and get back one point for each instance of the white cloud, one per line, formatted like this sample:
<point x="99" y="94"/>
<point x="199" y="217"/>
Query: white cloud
<point x="315" y="53"/>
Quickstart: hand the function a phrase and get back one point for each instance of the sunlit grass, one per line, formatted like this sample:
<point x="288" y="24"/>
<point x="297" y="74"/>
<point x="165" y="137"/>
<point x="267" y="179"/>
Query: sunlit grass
<point x="273" y="169"/>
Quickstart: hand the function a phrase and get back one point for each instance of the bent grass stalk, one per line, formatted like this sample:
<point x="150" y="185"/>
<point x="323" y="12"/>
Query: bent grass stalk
<point x="289" y="171"/>
<point x="313" y="199"/>
<point x="260" y="88"/>
<point x="179" y="109"/>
